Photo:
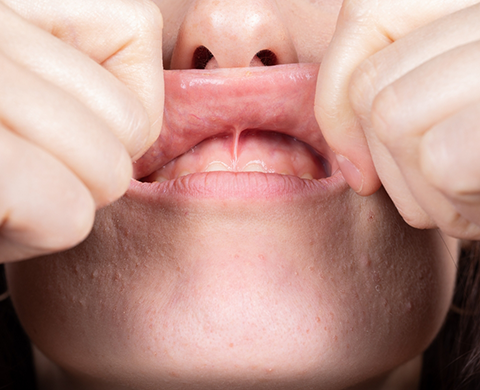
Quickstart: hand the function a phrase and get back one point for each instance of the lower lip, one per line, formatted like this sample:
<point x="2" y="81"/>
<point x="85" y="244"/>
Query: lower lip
<point x="237" y="186"/>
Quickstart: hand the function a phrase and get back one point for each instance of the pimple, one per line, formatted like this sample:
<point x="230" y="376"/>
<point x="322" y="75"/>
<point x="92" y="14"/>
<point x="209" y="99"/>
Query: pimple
<point x="408" y="306"/>
<point x="365" y="261"/>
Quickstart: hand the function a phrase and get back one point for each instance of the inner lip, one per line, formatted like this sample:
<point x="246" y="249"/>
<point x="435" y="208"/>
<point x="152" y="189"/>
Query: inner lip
<point x="275" y="103"/>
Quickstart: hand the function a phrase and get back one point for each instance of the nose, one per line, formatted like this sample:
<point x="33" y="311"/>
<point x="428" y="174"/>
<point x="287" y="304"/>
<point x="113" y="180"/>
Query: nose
<point x="233" y="33"/>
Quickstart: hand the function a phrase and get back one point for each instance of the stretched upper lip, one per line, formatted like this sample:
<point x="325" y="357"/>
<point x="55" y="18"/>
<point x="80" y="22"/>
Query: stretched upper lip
<point x="201" y="104"/>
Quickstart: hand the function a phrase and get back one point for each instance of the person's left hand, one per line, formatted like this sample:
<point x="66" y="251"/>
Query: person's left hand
<point x="399" y="96"/>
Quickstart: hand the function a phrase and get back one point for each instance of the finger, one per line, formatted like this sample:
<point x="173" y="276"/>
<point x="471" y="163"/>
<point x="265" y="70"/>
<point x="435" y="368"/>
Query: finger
<point x="408" y="53"/>
<point x="56" y="122"/>
<point x="403" y="113"/>
<point x="125" y="38"/>
<point x="30" y="222"/>
<point x="450" y="160"/>
<point x="364" y="28"/>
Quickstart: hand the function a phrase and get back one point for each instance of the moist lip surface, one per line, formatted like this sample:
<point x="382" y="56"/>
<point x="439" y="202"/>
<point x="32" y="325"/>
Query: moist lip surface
<point x="239" y="128"/>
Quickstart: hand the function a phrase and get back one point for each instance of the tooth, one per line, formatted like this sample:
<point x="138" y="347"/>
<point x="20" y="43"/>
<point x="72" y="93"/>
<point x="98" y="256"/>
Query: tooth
<point x="254" y="166"/>
<point x="184" y="173"/>
<point x="307" y="176"/>
<point x="216" y="166"/>
<point x="160" y="179"/>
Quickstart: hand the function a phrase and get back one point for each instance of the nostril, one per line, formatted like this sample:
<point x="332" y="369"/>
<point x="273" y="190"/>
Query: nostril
<point x="267" y="57"/>
<point x="201" y="57"/>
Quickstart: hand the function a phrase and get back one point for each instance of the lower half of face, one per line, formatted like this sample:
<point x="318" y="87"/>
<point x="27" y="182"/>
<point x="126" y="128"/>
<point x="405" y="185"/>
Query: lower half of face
<point x="296" y="292"/>
<point x="280" y="278"/>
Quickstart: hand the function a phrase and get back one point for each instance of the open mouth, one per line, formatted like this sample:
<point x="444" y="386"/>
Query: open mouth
<point x="239" y="120"/>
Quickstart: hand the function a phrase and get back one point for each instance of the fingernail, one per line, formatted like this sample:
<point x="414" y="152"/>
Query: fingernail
<point x="350" y="172"/>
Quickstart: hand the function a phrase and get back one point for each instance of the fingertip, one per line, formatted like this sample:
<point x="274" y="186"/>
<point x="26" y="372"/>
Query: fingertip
<point x="351" y="173"/>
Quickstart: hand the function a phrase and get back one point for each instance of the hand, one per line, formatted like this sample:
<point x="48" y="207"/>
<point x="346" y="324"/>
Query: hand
<point x="81" y="95"/>
<point x="399" y="97"/>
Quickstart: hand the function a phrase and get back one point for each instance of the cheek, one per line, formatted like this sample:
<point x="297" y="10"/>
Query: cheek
<point x="287" y="291"/>
<point x="311" y="25"/>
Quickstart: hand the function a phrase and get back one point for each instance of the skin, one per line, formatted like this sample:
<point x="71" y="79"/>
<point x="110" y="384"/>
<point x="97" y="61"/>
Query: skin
<point x="331" y="293"/>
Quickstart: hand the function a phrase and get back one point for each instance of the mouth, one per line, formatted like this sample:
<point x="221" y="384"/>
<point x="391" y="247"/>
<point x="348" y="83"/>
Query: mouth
<point x="239" y="120"/>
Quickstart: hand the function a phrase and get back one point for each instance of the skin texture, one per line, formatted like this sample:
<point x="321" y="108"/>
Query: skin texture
<point x="332" y="292"/>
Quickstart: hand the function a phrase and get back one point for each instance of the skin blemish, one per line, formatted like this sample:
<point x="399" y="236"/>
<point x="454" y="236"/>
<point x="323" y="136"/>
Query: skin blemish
<point x="365" y="261"/>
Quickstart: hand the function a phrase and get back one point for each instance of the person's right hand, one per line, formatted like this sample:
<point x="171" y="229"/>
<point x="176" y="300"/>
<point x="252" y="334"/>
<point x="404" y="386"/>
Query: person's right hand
<point x="81" y="95"/>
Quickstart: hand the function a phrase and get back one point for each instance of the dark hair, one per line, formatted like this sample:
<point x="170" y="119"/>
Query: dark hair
<point x="16" y="360"/>
<point x="452" y="362"/>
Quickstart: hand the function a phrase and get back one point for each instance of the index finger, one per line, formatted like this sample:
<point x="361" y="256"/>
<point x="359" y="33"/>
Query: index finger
<point x="364" y="27"/>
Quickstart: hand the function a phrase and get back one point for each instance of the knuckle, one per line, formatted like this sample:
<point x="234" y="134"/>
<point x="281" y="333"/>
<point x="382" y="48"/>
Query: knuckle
<point x="455" y="225"/>
<point x="76" y="221"/>
<point x="441" y="171"/>
<point x="386" y="117"/>
<point x="144" y="17"/>
<point x="70" y="227"/>
<point x="417" y="220"/>
<point x="357" y="11"/>
<point x="81" y="223"/>
<point x="444" y="182"/>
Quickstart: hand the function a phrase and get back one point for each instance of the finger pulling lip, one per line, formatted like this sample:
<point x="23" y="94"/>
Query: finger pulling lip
<point x="230" y="103"/>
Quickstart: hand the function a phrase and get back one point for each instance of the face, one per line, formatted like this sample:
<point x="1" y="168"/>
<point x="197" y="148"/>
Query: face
<point x="239" y="258"/>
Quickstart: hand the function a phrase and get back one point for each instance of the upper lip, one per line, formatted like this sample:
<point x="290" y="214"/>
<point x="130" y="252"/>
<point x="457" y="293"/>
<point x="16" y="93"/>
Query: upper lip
<point x="201" y="104"/>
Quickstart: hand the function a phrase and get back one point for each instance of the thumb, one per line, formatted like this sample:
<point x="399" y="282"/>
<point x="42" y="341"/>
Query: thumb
<point x="364" y="28"/>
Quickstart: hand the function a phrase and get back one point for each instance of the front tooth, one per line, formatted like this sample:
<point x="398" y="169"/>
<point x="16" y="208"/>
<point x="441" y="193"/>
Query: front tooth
<point x="216" y="166"/>
<point x="307" y="176"/>
<point x="160" y="179"/>
<point x="184" y="173"/>
<point x="254" y="166"/>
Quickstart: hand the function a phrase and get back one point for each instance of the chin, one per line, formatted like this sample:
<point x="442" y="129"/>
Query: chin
<point x="231" y="264"/>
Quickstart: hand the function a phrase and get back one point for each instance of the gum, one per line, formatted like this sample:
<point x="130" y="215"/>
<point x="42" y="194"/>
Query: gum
<point x="262" y="151"/>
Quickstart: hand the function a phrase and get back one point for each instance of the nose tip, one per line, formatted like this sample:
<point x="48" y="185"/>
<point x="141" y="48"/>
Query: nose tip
<point x="232" y="33"/>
